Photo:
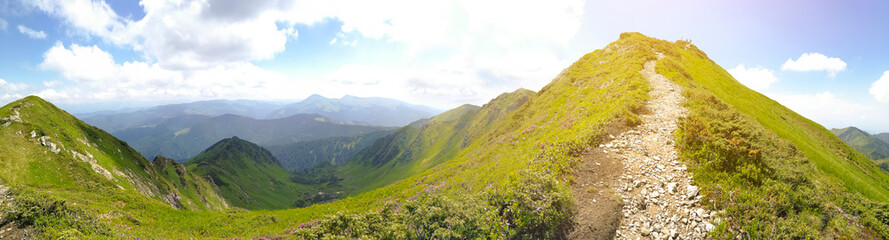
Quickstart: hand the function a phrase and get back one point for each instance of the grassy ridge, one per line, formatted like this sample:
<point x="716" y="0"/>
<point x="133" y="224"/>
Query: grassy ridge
<point x="425" y="143"/>
<point x="773" y="173"/>
<point x="71" y="171"/>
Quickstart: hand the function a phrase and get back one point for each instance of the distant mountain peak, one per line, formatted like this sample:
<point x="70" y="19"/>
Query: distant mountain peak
<point x="316" y="96"/>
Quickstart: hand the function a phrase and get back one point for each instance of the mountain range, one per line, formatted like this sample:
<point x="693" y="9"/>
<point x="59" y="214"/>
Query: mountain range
<point x="179" y="141"/>
<point x="357" y="110"/>
<point x="875" y="147"/>
<point x="507" y="169"/>
<point x="180" y="131"/>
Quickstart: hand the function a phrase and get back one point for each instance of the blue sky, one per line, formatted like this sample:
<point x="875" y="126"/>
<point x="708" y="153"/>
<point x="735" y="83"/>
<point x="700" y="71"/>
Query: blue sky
<point x="827" y="60"/>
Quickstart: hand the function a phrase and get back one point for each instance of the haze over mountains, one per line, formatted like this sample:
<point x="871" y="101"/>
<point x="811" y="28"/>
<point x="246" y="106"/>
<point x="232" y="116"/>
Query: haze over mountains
<point x="180" y="131"/>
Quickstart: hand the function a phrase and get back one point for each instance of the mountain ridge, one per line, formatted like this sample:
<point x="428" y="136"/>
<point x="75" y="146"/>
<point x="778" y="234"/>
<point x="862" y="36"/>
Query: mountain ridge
<point x="865" y="143"/>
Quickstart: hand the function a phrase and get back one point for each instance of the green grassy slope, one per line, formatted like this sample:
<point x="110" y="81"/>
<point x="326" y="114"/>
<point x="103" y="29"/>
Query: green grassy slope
<point x="867" y="144"/>
<point x="772" y="172"/>
<point x="407" y="151"/>
<point x="247" y="175"/>
<point x="424" y="144"/>
<point x="189" y="185"/>
<point x="46" y="150"/>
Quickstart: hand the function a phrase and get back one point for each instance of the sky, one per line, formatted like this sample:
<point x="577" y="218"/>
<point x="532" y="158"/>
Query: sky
<point x="827" y="60"/>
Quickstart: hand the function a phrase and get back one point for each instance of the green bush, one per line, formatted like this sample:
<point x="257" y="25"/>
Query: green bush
<point x="53" y="217"/>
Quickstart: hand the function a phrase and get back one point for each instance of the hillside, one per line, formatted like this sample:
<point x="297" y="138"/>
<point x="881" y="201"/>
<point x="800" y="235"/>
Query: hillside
<point x="248" y="176"/>
<point x="46" y="148"/>
<point x="358" y="110"/>
<point x="867" y="144"/>
<point x="182" y="139"/>
<point x="424" y="144"/>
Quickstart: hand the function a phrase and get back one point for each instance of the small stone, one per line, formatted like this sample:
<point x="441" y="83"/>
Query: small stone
<point x="709" y="227"/>
<point x="692" y="191"/>
<point x="701" y="212"/>
<point x="654" y="194"/>
<point x="671" y="187"/>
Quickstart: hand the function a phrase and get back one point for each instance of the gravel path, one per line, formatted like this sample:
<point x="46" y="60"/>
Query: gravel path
<point x="654" y="193"/>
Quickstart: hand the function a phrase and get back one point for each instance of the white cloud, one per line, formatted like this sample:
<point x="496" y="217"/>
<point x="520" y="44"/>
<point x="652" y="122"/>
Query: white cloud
<point x="833" y="111"/>
<point x="489" y="46"/>
<point x="13" y="87"/>
<point x="10" y="91"/>
<point x="815" y="62"/>
<point x="880" y="88"/>
<point x="3" y="24"/>
<point x="98" y="77"/>
<point x="458" y="80"/>
<point x="31" y="33"/>
<point x="88" y="17"/>
<point x="756" y="78"/>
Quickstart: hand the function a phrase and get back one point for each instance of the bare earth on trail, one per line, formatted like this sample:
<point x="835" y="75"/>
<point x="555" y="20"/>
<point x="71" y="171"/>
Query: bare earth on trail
<point x="633" y="186"/>
<point x="9" y="229"/>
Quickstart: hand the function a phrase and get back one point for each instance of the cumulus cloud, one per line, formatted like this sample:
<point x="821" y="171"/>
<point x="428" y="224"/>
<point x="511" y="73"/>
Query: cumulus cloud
<point x="88" y="17"/>
<point x="880" y="88"/>
<point x="815" y="62"/>
<point x="756" y="78"/>
<point x="11" y="87"/>
<point x="3" y="24"/>
<point x="31" y="33"/>
<point x="99" y="77"/>
<point x="10" y="91"/>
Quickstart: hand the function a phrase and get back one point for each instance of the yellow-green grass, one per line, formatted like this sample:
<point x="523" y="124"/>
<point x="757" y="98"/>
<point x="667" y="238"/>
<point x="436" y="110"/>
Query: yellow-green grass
<point x="772" y="173"/>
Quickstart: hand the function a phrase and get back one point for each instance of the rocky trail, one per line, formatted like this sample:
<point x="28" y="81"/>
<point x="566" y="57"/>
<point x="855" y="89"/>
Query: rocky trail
<point x="8" y="228"/>
<point x="633" y="186"/>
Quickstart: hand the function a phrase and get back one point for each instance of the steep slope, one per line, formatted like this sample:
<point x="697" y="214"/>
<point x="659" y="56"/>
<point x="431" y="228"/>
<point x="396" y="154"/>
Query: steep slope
<point x="247" y="175"/>
<point x="184" y="143"/>
<point x="334" y="151"/>
<point x="425" y="143"/>
<point x="865" y="143"/>
<point x="189" y="185"/>
<point x="46" y="146"/>
<point x="358" y="110"/>
<point x="46" y="151"/>
<point x="114" y="122"/>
